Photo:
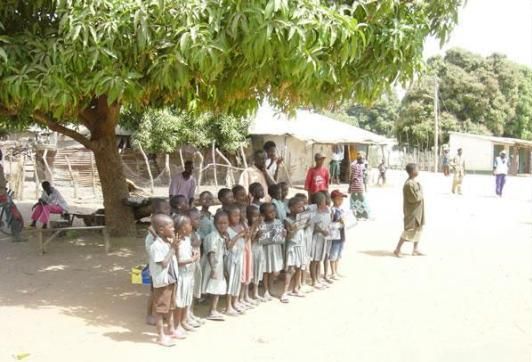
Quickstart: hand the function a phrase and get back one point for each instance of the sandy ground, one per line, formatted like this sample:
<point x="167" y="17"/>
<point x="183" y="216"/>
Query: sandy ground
<point x="469" y="300"/>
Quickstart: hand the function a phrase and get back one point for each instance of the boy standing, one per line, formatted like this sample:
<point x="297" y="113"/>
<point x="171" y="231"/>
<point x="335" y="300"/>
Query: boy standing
<point x="414" y="211"/>
<point x="318" y="178"/>
<point x="337" y="231"/>
<point x="163" y="270"/>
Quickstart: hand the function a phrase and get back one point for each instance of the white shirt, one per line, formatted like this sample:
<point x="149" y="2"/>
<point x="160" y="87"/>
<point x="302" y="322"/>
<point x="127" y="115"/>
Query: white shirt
<point x="159" y="274"/>
<point x="271" y="168"/>
<point x="501" y="166"/>
<point x="338" y="156"/>
<point x="55" y="198"/>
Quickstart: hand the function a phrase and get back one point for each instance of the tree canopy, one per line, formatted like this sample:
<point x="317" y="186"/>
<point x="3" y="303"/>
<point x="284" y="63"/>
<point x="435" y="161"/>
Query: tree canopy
<point x="80" y="61"/>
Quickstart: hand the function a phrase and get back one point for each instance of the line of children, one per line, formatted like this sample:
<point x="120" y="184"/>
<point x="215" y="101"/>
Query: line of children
<point x="245" y="244"/>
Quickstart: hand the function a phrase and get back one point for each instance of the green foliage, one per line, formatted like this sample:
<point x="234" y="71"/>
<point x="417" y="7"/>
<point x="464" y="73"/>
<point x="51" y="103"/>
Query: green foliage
<point x="209" y="55"/>
<point x="165" y="130"/>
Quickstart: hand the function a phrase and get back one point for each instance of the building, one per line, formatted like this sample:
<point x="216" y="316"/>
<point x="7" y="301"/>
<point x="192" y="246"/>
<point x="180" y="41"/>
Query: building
<point x="480" y="151"/>
<point x="299" y="137"/>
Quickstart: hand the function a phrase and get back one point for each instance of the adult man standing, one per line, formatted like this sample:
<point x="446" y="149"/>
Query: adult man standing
<point x="500" y="170"/>
<point x="184" y="183"/>
<point x="458" y="166"/>
<point x="336" y="160"/>
<point x="256" y="173"/>
<point x="413" y="210"/>
<point x="317" y="177"/>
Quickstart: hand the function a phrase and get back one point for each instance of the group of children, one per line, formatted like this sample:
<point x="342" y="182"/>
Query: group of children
<point x="195" y="253"/>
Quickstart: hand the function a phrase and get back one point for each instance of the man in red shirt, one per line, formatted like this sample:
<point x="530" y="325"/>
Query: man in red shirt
<point x="317" y="177"/>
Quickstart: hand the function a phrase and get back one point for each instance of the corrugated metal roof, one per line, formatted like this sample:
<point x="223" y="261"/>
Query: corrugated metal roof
<point x="309" y="126"/>
<point x="494" y="139"/>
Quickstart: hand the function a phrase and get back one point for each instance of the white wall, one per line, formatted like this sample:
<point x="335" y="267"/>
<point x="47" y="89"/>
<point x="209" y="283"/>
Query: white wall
<point x="478" y="153"/>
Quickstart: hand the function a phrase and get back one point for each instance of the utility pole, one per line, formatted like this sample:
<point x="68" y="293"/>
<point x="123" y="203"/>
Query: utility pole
<point x="436" y="125"/>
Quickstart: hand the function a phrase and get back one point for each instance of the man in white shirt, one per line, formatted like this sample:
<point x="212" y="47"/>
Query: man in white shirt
<point x="51" y="202"/>
<point x="336" y="160"/>
<point x="272" y="162"/>
<point x="500" y="170"/>
<point x="184" y="183"/>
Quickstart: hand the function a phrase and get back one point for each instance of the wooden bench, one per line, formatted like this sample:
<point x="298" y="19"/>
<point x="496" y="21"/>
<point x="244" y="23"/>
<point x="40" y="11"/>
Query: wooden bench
<point x="56" y="231"/>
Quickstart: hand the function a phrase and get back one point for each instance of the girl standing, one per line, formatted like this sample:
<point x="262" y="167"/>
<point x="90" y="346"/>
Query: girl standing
<point x="206" y="223"/>
<point x="234" y="259"/>
<point x="271" y="235"/>
<point x="320" y="242"/>
<point x="214" y="282"/>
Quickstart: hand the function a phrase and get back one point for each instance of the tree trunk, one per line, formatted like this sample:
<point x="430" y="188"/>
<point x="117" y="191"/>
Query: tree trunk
<point x="118" y="217"/>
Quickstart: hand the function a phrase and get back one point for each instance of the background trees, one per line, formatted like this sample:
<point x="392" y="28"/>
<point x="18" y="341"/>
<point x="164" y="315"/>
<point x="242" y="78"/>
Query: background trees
<point x="66" y="61"/>
<point x="482" y="95"/>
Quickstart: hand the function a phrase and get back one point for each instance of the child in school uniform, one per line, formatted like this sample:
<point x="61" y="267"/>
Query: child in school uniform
<point x="226" y="198"/>
<point x="320" y="242"/>
<point x="159" y="206"/>
<point x="164" y="271"/>
<point x="214" y="282"/>
<point x="240" y="194"/>
<point x="206" y="223"/>
<point x="196" y="241"/>
<point x="284" y="193"/>
<point x="233" y="260"/>
<point x="276" y="194"/>
<point x="271" y="235"/>
<point x="256" y="194"/>
<point x="307" y="245"/>
<point x="186" y="258"/>
<point x="251" y="225"/>
<point x="179" y="205"/>
<point x="337" y="230"/>
<point x="295" y="239"/>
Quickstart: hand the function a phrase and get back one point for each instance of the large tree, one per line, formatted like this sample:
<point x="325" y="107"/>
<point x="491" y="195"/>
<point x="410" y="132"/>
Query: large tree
<point x="68" y="62"/>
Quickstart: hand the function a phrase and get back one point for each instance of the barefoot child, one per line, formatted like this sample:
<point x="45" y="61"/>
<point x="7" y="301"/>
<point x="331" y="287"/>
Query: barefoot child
<point x="206" y="223"/>
<point x="186" y="258"/>
<point x="251" y="223"/>
<point x="256" y="194"/>
<point x="414" y="211"/>
<point x="272" y="236"/>
<point x="196" y="241"/>
<point x="294" y="250"/>
<point x="214" y="282"/>
<point x="337" y="231"/>
<point x="159" y="206"/>
<point x="233" y="260"/>
<point x="164" y="270"/>
<point x="321" y="221"/>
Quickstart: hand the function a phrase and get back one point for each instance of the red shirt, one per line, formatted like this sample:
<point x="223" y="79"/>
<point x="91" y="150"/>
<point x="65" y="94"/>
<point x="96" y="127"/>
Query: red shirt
<point x="317" y="179"/>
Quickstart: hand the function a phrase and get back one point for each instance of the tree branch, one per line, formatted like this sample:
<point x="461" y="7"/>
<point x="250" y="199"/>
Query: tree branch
<point x="54" y="126"/>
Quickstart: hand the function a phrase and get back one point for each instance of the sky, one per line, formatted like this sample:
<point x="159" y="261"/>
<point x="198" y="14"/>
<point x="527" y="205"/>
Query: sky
<point x="488" y="26"/>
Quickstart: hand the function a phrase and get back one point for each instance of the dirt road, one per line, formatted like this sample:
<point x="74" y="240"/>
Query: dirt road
<point x="469" y="299"/>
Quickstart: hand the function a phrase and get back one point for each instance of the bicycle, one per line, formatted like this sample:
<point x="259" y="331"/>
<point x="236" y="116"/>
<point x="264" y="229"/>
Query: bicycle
<point x="11" y="221"/>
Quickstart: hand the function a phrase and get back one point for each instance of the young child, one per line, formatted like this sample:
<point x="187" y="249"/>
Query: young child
<point x="320" y="242"/>
<point x="214" y="282"/>
<point x="337" y="230"/>
<point x="226" y="198"/>
<point x="271" y="236"/>
<point x="240" y="195"/>
<point x="256" y="194"/>
<point x="284" y="193"/>
<point x="196" y="241"/>
<point x="206" y="223"/>
<point x="159" y="206"/>
<point x="178" y="205"/>
<point x="233" y="260"/>
<point x="307" y="245"/>
<point x="186" y="259"/>
<point x="294" y="250"/>
<point x="164" y="271"/>
<point x="275" y="193"/>
<point x="251" y="224"/>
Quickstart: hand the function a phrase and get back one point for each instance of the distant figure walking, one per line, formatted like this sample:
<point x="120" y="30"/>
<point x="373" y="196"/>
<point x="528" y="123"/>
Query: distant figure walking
<point x="413" y="210"/>
<point x="500" y="170"/>
<point x="358" y="199"/>
<point x="445" y="162"/>
<point x="336" y="160"/>
<point x="458" y="167"/>
<point x="382" y="173"/>
<point x="51" y="202"/>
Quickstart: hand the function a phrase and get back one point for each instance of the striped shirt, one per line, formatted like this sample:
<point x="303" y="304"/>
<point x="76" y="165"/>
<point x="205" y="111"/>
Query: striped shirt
<point x="357" y="177"/>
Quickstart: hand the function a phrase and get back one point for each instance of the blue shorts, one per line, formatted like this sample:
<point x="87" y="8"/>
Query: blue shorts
<point x="337" y="246"/>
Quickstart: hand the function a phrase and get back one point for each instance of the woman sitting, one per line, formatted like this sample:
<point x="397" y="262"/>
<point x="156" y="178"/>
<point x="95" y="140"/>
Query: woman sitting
<point x="51" y="202"/>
